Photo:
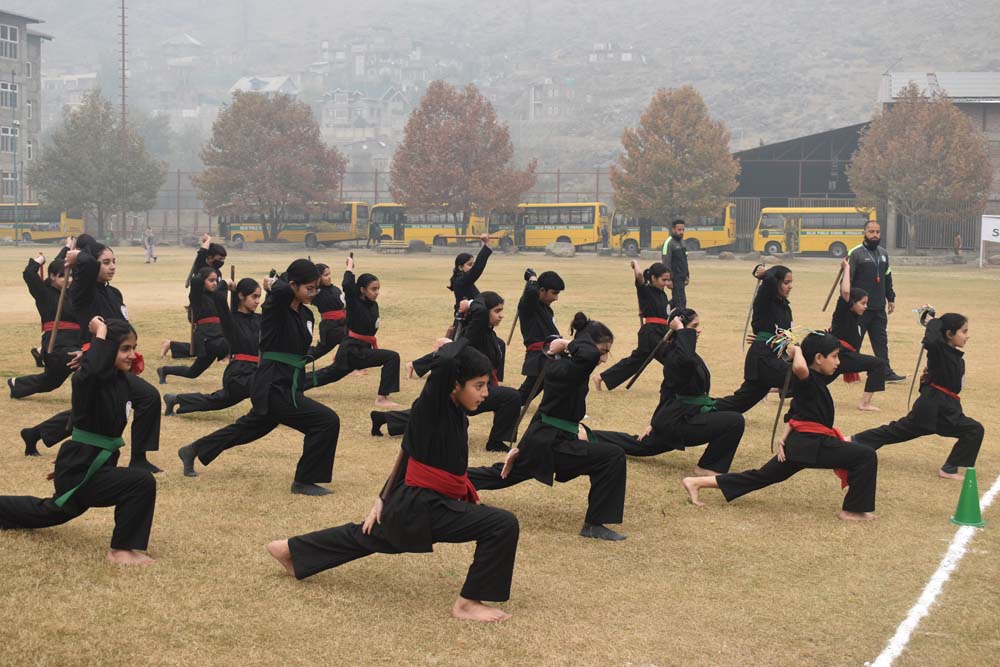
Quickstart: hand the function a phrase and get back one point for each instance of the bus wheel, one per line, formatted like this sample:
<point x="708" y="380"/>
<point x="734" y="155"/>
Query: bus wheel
<point x="385" y="237"/>
<point x="506" y="242"/>
<point x="238" y="241"/>
<point x="772" y="248"/>
<point x="631" y="248"/>
<point x="26" y="237"/>
<point x="838" y="250"/>
<point x="311" y="241"/>
<point x="440" y="241"/>
<point x="692" y="245"/>
<point x="563" y="239"/>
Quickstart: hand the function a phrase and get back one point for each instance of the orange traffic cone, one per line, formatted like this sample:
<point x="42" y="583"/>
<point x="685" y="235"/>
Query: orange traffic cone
<point x="967" y="513"/>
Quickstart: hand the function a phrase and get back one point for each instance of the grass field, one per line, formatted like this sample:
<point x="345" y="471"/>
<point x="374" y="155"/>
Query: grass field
<point x="771" y="579"/>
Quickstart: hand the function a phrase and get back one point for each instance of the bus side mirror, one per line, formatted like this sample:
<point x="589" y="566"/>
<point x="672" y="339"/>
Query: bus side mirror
<point x="764" y="233"/>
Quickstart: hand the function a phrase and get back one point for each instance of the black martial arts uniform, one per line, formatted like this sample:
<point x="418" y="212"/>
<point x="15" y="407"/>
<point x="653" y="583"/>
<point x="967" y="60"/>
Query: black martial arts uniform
<point x="100" y="394"/>
<point x="67" y="339"/>
<point x="538" y="327"/>
<point x="329" y="301"/>
<point x="654" y="308"/>
<point x="210" y="345"/>
<point x="847" y="328"/>
<point x="674" y="257"/>
<point x="762" y="369"/>
<point x="549" y="452"/>
<point x="938" y="409"/>
<point x="813" y="403"/>
<point x="277" y="393"/>
<point x="870" y="271"/>
<point x="687" y="417"/>
<point x="416" y="517"/>
<point x="242" y="331"/>
<point x="179" y="349"/>
<point x="360" y="349"/>
<point x="463" y="283"/>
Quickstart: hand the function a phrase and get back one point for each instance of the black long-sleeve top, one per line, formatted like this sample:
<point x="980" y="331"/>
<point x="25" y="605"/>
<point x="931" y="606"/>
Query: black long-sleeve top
<point x="945" y="368"/>
<point x="844" y="324"/>
<point x="684" y="373"/>
<point x="90" y="297"/>
<point x="362" y="314"/>
<point x="480" y="334"/>
<point x="281" y="330"/>
<point x="328" y="298"/>
<point x="538" y="325"/>
<point x="242" y="332"/>
<point x="770" y="309"/>
<point x="674" y="256"/>
<point x="46" y="303"/>
<point x="201" y="262"/>
<point x="100" y="393"/>
<point x="464" y="284"/>
<point x="870" y="271"/>
<point x="812" y="402"/>
<point x="653" y="302"/>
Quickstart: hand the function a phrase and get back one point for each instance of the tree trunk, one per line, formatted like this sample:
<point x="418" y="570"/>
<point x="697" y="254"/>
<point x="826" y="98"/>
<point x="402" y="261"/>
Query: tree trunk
<point x="100" y="223"/>
<point x="911" y="234"/>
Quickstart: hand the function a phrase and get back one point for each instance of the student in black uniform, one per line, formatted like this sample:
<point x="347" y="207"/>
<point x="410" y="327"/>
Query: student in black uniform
<point x="209" y="256"/>
<point x="846" y="326"/>
<point x="330" y="303"/>
<point x="86" y="472"/>
<point x="810" y="440"/>
<point x="653" y="309"/>
<point x="242" y="331"/>
<point x="938" y="409"/>
<point x="556" y="446"/>
<point x="686" y="415"/>
<point x="467" y="271"/>
<point x="762" y="369"/>
<point x="67" y="346"/>
<point x="481" y="316"/>
<point x="285" y="335"/>
<point x="427" y="497"/>
<point x="360" y="349"/>
<point x="538" y="323"/>
<point x="207" y="303"/>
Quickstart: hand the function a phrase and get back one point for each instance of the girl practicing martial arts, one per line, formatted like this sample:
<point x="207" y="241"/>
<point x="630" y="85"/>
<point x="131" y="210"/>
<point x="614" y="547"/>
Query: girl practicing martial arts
<point x="209" y="256"/>
<point x="847" y="328"/>
<point x="467" y="271"/>
<point x="242" y="331"/>
<point x="86" y="471"/>
<point x="286" y="328"/>
<point x="427" y="497"/>
<point x="938" y="409"/>
<point x="330" y="303"/>
<point x="67" y="344"/>
<point x="556" y="446"/>
<point x="360" y="349"/>
<point x="538" y="323"/>
<point x="687" y="415"/>
<point x="481" y="316"/>
<point x="207" y="302"/>
<point x="810" y="440"/>
<point x="762" y="370"/>
<point x="653" y="309"/>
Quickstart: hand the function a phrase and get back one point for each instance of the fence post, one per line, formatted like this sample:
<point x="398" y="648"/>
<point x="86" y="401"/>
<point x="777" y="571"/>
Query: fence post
<point x="558" y="185"/>
<point x="376" y="186"/>
<point x="178" y="207"/>
<point x="597" y="185"/>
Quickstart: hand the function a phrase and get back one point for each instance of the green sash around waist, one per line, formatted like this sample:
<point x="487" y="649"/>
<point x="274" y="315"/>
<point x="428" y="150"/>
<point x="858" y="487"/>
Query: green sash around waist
<point x="704" y="401"/>
<point x="106" y="444"/>
<point x="763" y="336"/>
<point x="296" y="361"/>
<point x="564" y="424"/>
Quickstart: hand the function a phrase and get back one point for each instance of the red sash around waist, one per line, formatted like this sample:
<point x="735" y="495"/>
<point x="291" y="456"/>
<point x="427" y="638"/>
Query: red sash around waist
<point x="209" y="320"/>
<point x="850" y="378"/>
<point x="946" y="392"/>
<point x="371" y="340"/>
<point x="85" y="347"/>
<point x="820" y="429"/>
<point x="456" y="487"/>
<point x="246" y="357"/>
<point x="534" y="347"/>
<point x="334" y="315"/>
<point x="63" y="326"/>
<point x="655" y="320"/>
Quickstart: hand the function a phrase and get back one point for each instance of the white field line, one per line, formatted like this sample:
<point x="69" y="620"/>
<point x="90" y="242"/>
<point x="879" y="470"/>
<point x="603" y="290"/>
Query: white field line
<point x="955" y="552"/>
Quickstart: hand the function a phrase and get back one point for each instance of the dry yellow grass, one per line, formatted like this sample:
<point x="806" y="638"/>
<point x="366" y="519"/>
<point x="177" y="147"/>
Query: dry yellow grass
<point x="773" y="578"/>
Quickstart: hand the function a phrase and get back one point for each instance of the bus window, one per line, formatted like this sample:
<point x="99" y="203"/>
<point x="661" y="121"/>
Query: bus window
<point x="362" y="212"/>
<point x="772" y="222"/>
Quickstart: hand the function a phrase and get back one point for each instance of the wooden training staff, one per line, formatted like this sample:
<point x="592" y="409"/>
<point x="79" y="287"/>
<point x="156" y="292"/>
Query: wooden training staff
<point x="652" y="355"/>
<point x="836" y="283"/>
<point x="922" y="313"/>
<point x="791" y="337"/>
<point x="535" y="390"/>
<point x="756" y="288"/>
<point x="59" y="307"/>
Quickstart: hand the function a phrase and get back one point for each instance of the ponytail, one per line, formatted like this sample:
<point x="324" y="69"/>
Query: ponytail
<point x="582" y="326"/>
<point x="655" y="270"/>
<point x="951" y="323"/>
<point x="245" y="287"/>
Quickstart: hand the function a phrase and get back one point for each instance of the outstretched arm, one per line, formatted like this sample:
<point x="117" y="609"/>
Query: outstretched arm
<point x="639" y="279"/>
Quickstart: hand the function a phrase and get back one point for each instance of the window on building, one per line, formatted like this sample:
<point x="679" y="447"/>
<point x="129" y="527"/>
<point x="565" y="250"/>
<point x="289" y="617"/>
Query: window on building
<point x="9" y="183"/>
<point x="30" y="110"/>
<point x="8" y="95"/>
<point x="27" y="72"/>
<point x="9" y="38"/>
<point x="340" y="114"/>
<point x="8" y="139"/>
<point x="31" y="150"/>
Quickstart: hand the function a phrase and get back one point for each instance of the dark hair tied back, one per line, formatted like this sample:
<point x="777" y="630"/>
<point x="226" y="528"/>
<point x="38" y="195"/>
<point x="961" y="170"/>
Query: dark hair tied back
<point x="687" y="315"/>
<point x="857" y="294"/>
<point x="655" y="270"/>
<point x="302" y="271"/>
<point x="583" y="326"/>
<point x="366" y="279"/>
<point x="951" y="323"/>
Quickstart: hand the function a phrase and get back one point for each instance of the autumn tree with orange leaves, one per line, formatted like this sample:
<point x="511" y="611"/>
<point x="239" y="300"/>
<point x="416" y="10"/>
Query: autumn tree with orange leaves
<point x="266" y="158"/>
<point x="926" y="157"/>
<point x="676" y="163"/>
<point x="456" y="154"/>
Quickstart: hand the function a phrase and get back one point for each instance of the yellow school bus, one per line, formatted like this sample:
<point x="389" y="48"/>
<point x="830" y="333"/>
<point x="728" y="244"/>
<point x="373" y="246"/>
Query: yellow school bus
<point x="437" y="226"/>
<point x="33" y="222"/>
<point x="714" y="233"/>
<point x="537" y="225"/>
<point x="347" y="221"/>
<point x="826" y="230"/>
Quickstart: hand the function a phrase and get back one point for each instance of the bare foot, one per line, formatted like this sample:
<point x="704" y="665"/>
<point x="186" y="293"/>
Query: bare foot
<point x="868" y="407"/>
<point x="384" y="402"/>
<point x="474" y="610"/>
<point x="705" y="472"/>
<point x="691" y="486"/>
<point x="128" y="557"/>
<point x="844" y="515"/>
<point x="409" y="370"/>
<point x="281" y="553"/>
<point x="951" y="475"/>
<point x="164" y="348"/>
<point x="597" y="383"/>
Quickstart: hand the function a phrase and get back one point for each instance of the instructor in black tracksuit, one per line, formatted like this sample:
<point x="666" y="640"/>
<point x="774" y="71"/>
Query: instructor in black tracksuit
<point x="870" y="271"/>
<point x="674" y="257"/>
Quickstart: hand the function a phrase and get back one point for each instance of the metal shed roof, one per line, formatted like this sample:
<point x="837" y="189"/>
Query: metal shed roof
<point x="958" y="86"/>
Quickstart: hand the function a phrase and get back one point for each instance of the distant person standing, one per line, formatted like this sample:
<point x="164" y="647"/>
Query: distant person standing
<point x="674" y="257"/>
<point x="870" y="271"/>
<point x="374" y="234"/>
<point x="149" y="242"/>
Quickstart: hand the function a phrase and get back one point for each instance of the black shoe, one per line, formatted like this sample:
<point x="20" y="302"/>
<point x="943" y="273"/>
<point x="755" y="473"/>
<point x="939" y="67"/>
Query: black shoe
<point x="497" y="447"/>
<point x="161" y="374"/>
<point x="599" y="532"/>
<point x="378" y="420"/>
<point x="895" y="377"/>
<point x="187" y="456"/>
<point x="10" y="385"/>
<point x="309" y="489"/>
<point x="170" y="400"/>
<point x="143" y="464"/>
<point x="30" y="437"/>
<point x="37" y="354"/>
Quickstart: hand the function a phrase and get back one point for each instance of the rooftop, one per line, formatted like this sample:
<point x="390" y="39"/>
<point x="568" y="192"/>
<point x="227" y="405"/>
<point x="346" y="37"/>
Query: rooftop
<point x="26" y="19"/>
<point x="957" y="86"/>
